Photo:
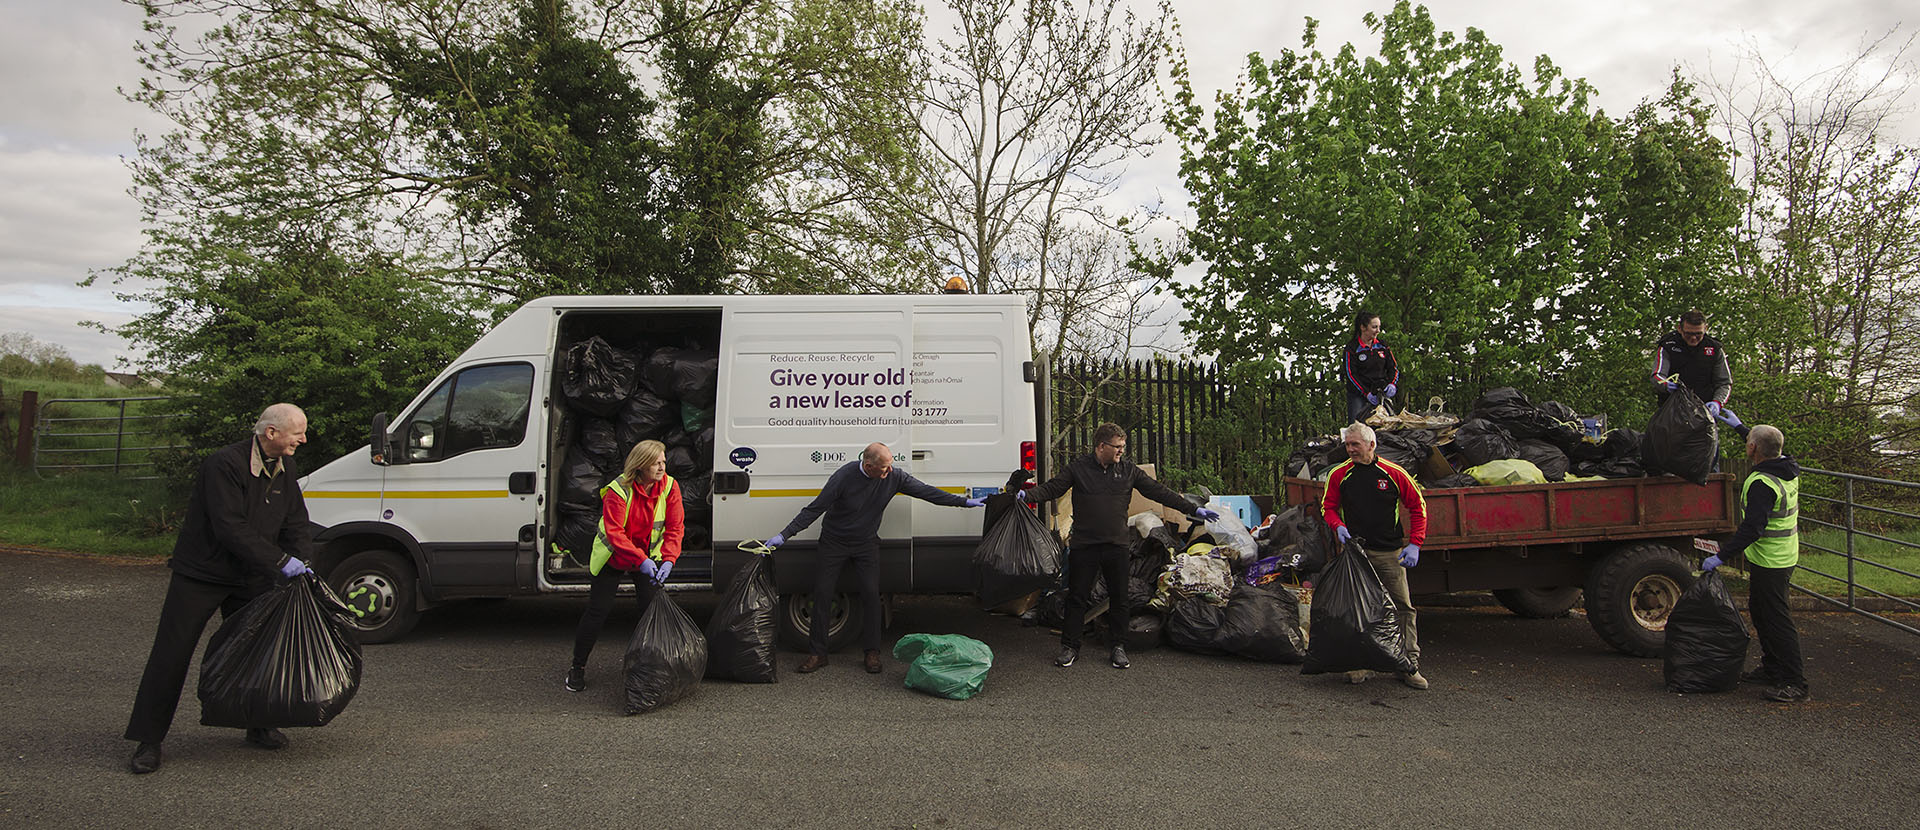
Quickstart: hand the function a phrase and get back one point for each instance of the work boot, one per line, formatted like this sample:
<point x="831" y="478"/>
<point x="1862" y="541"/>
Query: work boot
<point x="1358" y="676"/>
<point x="1414" y="679"/>
<point x="146" y="758"/>
<point x="576" y="678"/>
<point x="1120" y="657"/>
<point x="268" y="738"/>
<point x="813" y="663"/>
<point x="1067" y="656"/>
<point x="873" y="662"/>
<point x="1787" y="693"/>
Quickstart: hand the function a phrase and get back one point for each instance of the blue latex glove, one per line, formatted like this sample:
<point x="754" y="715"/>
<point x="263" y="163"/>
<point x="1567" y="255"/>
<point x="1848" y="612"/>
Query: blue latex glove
<point x="976" y="502"/>
<point x="660" y="573"/>
<point x="294" y="567"/>
<point x="1373" y="400"/>
<point x="1020" y="496"/>
<point x="1207" y="514"/>
<point x="1343" y="534"/>
<point x="647" y="568"/>
<point x="1391" y="390"/>
<point x="1710" y="563"/>
<point x="1727" y="417"/>
<point x="1713" y="408"/>
<point x="1670" y="386"/>
<point x="776" y="541"/>
<point x="1409" y="556"/>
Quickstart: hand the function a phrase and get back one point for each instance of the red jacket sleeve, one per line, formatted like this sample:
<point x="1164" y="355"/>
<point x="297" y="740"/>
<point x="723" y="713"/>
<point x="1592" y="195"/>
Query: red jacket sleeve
<point x="1330" y="500"/>
<point x="1412" y="500"/>
<point x="615" y="513"/>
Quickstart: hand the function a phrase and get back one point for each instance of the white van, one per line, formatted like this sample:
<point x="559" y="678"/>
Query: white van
<point x="460" y="495"/>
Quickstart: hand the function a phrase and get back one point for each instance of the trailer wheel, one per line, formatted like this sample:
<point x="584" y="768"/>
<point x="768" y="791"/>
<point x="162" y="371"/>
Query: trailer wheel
<point x="1539" y="603"/>
<point x="378" y="587"/>
<point x="1631" y="592"/>
<point x="796" y="621"/>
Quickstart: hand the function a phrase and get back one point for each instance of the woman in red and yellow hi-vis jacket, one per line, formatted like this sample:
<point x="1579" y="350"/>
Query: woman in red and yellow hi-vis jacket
<point x="641" y="523"/>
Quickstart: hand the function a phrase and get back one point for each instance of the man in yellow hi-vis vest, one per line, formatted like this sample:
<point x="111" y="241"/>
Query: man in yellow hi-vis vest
<point x="1769" y="536"/>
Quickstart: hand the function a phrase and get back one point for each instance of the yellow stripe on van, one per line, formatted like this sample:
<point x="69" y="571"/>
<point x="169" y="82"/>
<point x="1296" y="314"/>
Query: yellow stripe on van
<point x="407" y="494"/>
<point x="776" y="494"/>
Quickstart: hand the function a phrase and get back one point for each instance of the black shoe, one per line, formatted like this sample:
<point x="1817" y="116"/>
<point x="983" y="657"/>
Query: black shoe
<point x="146" y="758"/>
<point x="267" y="738"/>
<point x="576" y="678"/>
<point x="1067" y="656"/>
<point x="1759" y="676"/>
<point x="1787" y="693"/>
<point x="1120" y="657"/>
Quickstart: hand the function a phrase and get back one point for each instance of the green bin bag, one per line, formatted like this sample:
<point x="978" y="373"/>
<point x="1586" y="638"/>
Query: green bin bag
<point x="948" y="665"/>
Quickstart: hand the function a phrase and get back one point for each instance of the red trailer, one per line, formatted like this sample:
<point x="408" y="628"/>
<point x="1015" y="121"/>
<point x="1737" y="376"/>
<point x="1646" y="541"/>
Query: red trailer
<point x="1627" y="542"/>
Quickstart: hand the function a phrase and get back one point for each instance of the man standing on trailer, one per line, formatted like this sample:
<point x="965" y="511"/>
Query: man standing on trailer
<point x="854" y="500"/>
<point x="1371" y="498"/>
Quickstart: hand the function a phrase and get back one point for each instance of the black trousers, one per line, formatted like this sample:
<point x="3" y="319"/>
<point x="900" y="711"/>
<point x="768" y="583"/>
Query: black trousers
<point x="1779" y="640"/>
<point x="183" y="618"/>
<point x="1084" y="564"/>
<point x="865" y="558"/>
<point x="1357" y="406"/>
<point x="606" y="585"/>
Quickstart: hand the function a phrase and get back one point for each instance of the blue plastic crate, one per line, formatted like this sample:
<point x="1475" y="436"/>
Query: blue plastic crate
<point x="1242" y="507"/>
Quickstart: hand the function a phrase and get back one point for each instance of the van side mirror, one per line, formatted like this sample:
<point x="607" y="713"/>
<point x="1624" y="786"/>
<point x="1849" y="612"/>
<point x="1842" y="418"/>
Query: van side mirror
<point x="378" y="445"/>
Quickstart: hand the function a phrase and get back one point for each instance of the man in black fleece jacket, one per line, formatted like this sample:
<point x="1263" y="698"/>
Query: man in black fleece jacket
<point x="1102" y="486"/>
<point x="1768" y="540"/>
<point x="854" y="501"/>
<point x="246" y="525"/>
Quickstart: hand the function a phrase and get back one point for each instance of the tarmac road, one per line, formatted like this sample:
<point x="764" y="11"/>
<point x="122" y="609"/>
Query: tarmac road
<point x="1530" y="723"/>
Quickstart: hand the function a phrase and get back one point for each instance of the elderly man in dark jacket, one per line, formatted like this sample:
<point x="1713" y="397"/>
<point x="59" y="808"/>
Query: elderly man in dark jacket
<point x="246" y="525"/>
<point x="1102" y="486"/>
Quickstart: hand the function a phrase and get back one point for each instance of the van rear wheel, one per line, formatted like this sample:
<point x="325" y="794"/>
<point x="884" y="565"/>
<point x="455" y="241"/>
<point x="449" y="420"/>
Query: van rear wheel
<point x="378" y="588"/>
<point x="1631" y="593"/>
<point x="796" y="621"/>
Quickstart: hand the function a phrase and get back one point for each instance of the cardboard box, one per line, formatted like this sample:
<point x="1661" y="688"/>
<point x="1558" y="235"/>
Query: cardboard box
<point x="1435" y="467"/>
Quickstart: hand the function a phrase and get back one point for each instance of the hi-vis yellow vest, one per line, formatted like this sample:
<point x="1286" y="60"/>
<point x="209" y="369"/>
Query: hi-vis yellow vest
<point x="1779" y="544"/>
<point x="602" y="551"/>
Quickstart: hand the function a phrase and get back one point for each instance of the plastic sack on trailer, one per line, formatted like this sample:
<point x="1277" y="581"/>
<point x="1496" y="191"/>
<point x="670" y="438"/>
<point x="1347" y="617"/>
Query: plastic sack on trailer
<point x="287" y="658"/>
<point x="1354" y="626"/>
<point x="665" y="658"/>
<point x="1262" y="623"/>
<point x="1507" y="471"/>
<point x="1551" y="460"/>
<point x="741" y="633"/>
<point x="1016" y="557"/>
<point x="1481" y="441"/>
<point x="1706" y="643"/>
<point x="599" y="378"/>
<point x="946" y="665"/>
<point x="1682" y="438"/>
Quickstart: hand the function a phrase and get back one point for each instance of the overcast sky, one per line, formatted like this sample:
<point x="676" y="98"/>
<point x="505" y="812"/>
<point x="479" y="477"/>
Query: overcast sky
<point x="65" y="130"/>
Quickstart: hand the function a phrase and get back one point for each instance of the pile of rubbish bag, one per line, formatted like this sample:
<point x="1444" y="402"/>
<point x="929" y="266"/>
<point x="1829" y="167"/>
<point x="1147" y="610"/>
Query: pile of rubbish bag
<point x="1508" y="439"/>
<point x="616" y="398"/>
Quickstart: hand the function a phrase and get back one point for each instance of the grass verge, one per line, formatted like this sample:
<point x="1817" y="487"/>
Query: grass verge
<point x="88" y="513"/>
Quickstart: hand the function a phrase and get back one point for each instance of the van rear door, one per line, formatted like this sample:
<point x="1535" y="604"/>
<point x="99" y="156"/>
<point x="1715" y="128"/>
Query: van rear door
<point x="806" y="383"/>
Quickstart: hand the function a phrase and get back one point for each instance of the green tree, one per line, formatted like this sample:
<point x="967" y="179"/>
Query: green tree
<point x="1507" y="233"/>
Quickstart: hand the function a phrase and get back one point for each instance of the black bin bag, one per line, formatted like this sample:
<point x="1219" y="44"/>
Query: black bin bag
<point x="599" y="378"/>
<point x="1706" y="641"/>
<point x="741" y="634"/>
<point x="287" y="658"/>
<point x="1682" y="438"/>
<point x="1262" y="622"/>
<point x="1354" y="626"/>
<point x="1193" y="624"/>
<point x="665" y="658"/>
<point x="1017" y="556"/>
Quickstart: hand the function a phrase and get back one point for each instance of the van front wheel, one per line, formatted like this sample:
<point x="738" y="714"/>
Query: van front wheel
<point x="796" y="621"/>
<point x="378" y="588"/>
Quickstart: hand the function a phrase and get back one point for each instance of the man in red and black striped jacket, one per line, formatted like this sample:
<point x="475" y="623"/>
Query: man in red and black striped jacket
<point x="1370" y="499"/>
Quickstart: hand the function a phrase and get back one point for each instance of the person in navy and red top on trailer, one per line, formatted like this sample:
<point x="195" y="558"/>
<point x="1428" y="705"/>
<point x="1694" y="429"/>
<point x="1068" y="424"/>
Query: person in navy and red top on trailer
<point x="1688" y="356"/>
<point x="1372" y="374"/>
<point x="1370" y="499"/>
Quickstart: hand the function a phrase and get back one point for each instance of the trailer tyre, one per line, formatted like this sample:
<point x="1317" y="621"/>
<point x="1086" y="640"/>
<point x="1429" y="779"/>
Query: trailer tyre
<point x="1539" y="603"/>
<point x="796" y="621"/>
<point x="1632" y="591"/>
<point x="378" y="587"/>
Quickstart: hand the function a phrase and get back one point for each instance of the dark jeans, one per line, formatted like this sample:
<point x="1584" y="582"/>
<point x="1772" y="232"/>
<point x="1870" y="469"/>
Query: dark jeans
<point x="183" y="618"/>
<point x="606" y="585"/>
<point x="835" y="554"/>
<point x="1084" y="563"/>
<point x="1779" y="640"/>
<point x="1357" y="406"/>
